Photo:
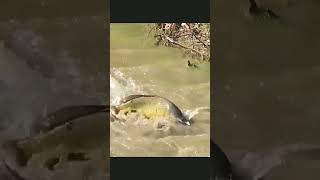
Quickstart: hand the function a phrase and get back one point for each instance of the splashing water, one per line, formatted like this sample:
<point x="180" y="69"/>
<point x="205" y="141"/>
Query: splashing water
<point x="130" y="140"/>
<point x="121" y="86"/>
<point x="138" y="67"/>
<point x="189" y="114"/>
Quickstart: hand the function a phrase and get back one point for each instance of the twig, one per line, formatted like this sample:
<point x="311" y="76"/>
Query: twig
<point x="152" y="28"/>
<point x="178" y="44"/>
<point x="200" y="40"/>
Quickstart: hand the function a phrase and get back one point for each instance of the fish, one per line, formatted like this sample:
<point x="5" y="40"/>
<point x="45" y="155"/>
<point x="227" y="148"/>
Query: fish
<point x="65" y="115"/>
<point x="55" y="128"/>
<point x="151" y="106"/>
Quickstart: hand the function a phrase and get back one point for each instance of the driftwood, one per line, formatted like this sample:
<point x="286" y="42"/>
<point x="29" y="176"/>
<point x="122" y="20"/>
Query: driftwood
<point x="182" y="46"/>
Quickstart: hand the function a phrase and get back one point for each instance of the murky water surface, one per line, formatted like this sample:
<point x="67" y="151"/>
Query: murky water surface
<point x="140" y="67"/>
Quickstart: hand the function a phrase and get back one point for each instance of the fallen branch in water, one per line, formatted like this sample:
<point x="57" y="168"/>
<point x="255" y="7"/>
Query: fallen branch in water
<point x="182" y="46"/>
<point x="193" y="38"/>
<point x="206" y="45"/>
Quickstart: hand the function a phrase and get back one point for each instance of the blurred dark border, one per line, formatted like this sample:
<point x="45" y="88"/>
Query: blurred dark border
<point x="159" y="11"/>
<point x="51" y="8"/>
<point x="160" y="168"/>
<point x="29" y="9"/>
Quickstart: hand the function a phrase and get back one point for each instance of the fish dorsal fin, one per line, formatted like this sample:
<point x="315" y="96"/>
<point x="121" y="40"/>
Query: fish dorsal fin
<point x="65" y="115"/>
<point x="135" y="96"/>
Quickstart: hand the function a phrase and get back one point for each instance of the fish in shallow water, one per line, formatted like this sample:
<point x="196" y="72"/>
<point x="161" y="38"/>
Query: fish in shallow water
<point x="58" y="129"/>
<point x="150" y="106"/>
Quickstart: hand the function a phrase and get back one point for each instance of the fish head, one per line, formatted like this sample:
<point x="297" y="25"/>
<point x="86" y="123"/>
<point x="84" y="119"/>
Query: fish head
<point x="184" y="121"/>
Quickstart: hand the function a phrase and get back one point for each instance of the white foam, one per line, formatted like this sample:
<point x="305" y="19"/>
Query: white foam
<point x="121" y="86"/>
<point x="190" y="113"/>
